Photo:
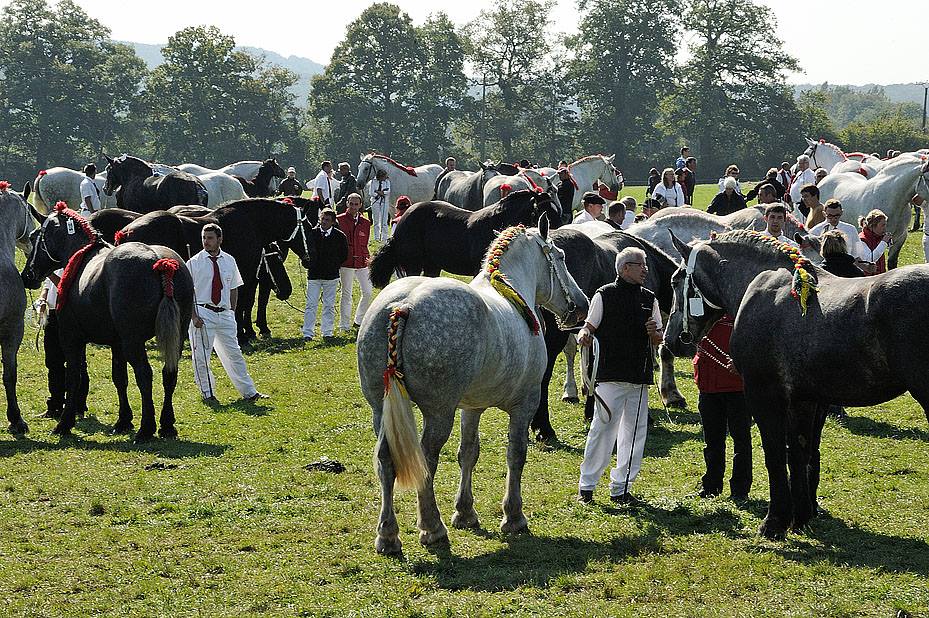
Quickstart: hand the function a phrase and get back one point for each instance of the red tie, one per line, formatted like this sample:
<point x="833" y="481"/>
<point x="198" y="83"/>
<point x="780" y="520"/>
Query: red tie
<point x="216" y="294"/>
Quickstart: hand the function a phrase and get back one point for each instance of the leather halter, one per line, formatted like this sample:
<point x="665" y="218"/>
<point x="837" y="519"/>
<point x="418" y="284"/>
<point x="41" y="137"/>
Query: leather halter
<point x="301" y="218"/>
<point x="692" y="306"/>
<point x="548" y="249"/>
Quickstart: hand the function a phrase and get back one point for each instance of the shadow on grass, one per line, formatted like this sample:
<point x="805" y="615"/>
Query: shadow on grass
<point x="865" y="426"/>
<point x="272" y="345"/>
<point x="662" y="438"/>
<point x="537" y="560"/>
<point x="174" y="449"/>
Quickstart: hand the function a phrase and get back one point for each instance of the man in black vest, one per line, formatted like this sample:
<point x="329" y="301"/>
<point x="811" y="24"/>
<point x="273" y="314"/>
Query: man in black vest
<point x="626" y="322"/>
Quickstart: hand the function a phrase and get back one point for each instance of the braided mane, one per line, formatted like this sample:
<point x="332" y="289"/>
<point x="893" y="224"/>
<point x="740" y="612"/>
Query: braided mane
<point x="62" y="209"/>
<point x="74" y="264"/>
<point x="804" y="276"/>
<point x="499" y="282"/>
<point x="406" y="168"/>
<point x="499" y="247"/>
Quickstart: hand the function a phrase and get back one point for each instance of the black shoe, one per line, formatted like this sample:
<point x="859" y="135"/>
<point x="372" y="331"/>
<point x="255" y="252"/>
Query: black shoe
<point x="706" y="493"/>
<point x="211" y="401"/>
<point x="585" y="496"/>
<point x="739" y="498"/>
<point x="626" y="499"/>
<point x="256" y="397"/>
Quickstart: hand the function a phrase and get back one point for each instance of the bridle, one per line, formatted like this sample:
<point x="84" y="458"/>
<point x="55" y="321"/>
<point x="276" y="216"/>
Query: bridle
<point x="26" y="231"/>
<point x="40" y="242"/>
<point x="692" y="305"/>
<point x="811" y="153"/>
<point x="263" y="263"/>
<point x="548" y="250"/>
<point x="301" y="218"/>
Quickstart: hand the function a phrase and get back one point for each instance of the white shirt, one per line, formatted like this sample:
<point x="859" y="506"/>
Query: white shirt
<point x="673" y="196"/>
<point x="201" y="270"/>
<point x="385" y="187"/>
<point x="848" y="230"/>
<point x="89" y="189"/>
<point x="802" y="179"/>
<point x="583" y="217"/>
<point x="51" y="297"/>
<point x="628" y="220"/>
<point x="323" y="183"/>
<point x="595" y="312"/>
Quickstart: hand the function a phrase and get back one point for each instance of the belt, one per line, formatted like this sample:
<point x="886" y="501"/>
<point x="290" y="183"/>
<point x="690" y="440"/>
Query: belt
<point x="213" y="308"/>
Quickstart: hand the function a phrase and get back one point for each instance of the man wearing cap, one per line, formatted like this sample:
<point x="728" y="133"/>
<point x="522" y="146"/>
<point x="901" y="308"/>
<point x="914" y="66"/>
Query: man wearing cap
<point x="805" y="176"/>
<point x="290" y="185"/>
<point x="90" y="194"/>
<point x="784" y="175"/>
<point x="593" y="208"/>
<point x="347" y="185"/>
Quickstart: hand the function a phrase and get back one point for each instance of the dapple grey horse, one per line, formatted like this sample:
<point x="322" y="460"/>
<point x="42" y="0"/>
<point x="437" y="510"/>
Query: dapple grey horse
<point x="12" y="301"/>
<point x="461" y="345"/>
<point x="781" y="352"/>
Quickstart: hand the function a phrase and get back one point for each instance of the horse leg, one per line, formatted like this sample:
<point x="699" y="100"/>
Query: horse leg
<point x="768" y="411"/>
<point x="513" y="518"/>
<point x="816" y="440"/>
<point x="437" y="426"/>
<point x="264" y="295"/>
<point x="243" y="313"/>
<point x="13" y="414"/>
<point x="570" y="383"/>
<point x="554" y="342"/>
<point x="120" y="372"/>
<point x="468" y="452"/>
<point x="799" y="442"/>
<point x="74" y="357"/>
<point x="668" y="384"/>
<point x="169" y="382"/>
<point x="135" y="354"/>
<point x="387" y="540"/>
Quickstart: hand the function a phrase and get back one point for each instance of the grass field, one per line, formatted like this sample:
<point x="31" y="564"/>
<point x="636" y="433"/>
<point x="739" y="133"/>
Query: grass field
<point x="227" y="521"/>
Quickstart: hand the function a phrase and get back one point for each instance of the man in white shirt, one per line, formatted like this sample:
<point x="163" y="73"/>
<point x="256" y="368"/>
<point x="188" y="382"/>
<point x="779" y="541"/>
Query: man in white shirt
<point x="379" y="190"/>
<point x="216" y="279"/>
<point x="626" y="322"/>
<point x="323" y="184"/>
<point x="805" y="176"/>
<point x="775" y="216"/>
<point x="593" y="208"/>
<point x="832" y="210"/>
<point x="90" y="193"/>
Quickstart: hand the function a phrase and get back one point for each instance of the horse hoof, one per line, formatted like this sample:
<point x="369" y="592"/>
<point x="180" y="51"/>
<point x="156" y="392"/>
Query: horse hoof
<point x="19" y="428"/>
<point x="772" y="529"/>
<point x="61" y="431"/>
<point x="512" y="526"/>
<point x="388" y="546"/>
<point x="436" y="537"/>
<point x="266" y="334"/>
<point x="465" y="520"/>
<point x="676" y="401"/>
<point x="570" y="398"/>
<point x="142" y="438"/>
<point x="122" y="428"/>
<point x="546" y="437"/>
<point x="168" y="433"/>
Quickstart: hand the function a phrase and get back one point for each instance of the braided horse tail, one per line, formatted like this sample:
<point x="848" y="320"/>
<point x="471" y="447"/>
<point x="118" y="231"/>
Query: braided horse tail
<point x="167" y="321"/>
<point x="398" y="426"/>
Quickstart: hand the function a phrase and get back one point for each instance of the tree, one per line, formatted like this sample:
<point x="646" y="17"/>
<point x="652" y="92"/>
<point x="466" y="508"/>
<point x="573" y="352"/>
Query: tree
<point x="67" y="90"/>
<point x="891" y="130"/>
<point x="814" y="116"/>
<point x="619" y="85"/>
<point x="508" y="47"/>
<point x="736" y="61"/>
<point x="367" y="90"/>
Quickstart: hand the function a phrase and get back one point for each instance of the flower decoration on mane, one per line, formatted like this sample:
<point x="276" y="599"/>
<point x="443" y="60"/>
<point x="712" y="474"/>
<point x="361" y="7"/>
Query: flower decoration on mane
<point x="797" y="222"/>
<point x="4" y="185"/>
<point x="74" y="264"/>
<point x="42" y="173"/>
<point x="804" y="280"/>
<point x="498" y="279"/>
<point x="122" y="236"/>
<point x="406" y="168"/>
<point x="286" y="200"/>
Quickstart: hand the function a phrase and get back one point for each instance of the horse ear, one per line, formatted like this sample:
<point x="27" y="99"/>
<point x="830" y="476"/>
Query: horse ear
<point x="27" y="189"/>
<point x="108" y="158"/>
<point x="543" y="226"/>
<point x="683" y="248"/>
<point x="809" y="142"/>
<point x="39" y="217"/>
<point x="611" y="158"/>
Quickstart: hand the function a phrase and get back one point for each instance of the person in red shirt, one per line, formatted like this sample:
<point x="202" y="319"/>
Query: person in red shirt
<point x="357" y="230"/>
<point x="722" y="406"/>
<point x="403" y="202"/>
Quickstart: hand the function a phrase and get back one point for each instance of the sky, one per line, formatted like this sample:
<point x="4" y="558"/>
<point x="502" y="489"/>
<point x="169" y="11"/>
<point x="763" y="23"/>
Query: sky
<point x="836" y="41"/>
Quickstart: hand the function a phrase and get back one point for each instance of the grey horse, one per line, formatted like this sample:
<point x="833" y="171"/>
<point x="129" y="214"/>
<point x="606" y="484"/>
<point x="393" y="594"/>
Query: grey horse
<point x="12" y="301"/>
<point x="781" y="352"/>
<point x="472" y="346"/>
<point x="465" y="189"/>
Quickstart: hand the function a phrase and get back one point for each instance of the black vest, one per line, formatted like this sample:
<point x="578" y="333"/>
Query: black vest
<point x="625" y="348"/>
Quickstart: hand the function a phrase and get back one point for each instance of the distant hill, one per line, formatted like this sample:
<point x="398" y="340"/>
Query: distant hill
<point x="897" y="93"/>
<point x="303" y="67"/>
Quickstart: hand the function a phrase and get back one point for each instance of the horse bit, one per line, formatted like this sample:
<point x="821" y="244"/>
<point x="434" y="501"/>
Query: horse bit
<point x="547" y="250"/>
<point x="301" y="218"/>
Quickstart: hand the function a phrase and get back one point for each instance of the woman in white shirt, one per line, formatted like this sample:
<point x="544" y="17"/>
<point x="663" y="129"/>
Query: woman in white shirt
<point x="669" y="189"/>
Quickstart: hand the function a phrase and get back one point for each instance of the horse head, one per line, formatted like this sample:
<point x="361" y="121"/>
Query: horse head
<point x="365" y="171"/>
<point x="276" y="170"/>
<point x="692" y="312"/>
<point x="562" y="296"/>
<point x="121" y="170"/>
<point x="547" y="206"/>
<point x="58" y="237"/>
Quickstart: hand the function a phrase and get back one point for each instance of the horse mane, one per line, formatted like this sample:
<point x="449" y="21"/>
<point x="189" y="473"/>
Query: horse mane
<point x="588" y="158"/>
<point x="406" y="168"/>
<point x="499" y="246"/>
<point x="62" y="209"/>
<point x="834" y="148"/>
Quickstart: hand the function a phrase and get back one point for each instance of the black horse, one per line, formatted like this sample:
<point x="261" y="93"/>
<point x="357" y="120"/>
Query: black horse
<point x="261" y="185"/>
<point x="108" y="221"/>
<point x="138" y="188"/>
<point x="121" y="297"/>
<point x="436" y="236"/>
<point x="592" y="263"/>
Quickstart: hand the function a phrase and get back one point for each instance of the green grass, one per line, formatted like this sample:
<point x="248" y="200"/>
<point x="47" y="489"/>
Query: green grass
<point x="227" y="521"/>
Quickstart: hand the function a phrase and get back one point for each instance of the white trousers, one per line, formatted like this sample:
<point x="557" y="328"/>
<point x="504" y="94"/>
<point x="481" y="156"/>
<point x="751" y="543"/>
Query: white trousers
<point x="347" y="277"/>
<point x="616" y="433"/>
<point x="380" y="219"/>
<point x="218" y="333"/>
<point x="926" y="246"/>
<point x="316" y="288"/>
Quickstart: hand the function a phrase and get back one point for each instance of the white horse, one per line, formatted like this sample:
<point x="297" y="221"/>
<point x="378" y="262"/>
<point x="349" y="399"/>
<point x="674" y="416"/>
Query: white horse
<point x="891" y="189"/>
<point x="446" y="344"/>
<point x="246" y="169"/>
<point x="824" y="154"/>
<point x="417" y="183"/>
<point x="62" y="184"/>
<point x="588" y="169"/>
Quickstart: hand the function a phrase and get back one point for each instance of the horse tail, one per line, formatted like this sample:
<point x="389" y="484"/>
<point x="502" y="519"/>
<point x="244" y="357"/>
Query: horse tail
<point x="398" y="426"/>
<point x="168" y="319"/>
<point x="383" y="264"/>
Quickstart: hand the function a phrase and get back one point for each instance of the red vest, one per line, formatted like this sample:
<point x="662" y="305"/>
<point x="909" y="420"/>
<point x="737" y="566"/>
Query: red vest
<point x="357" y="235"/>
<point x="710" y="375"/>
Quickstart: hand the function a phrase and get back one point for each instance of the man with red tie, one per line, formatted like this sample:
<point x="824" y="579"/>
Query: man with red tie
<point x="216" y="279"/>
